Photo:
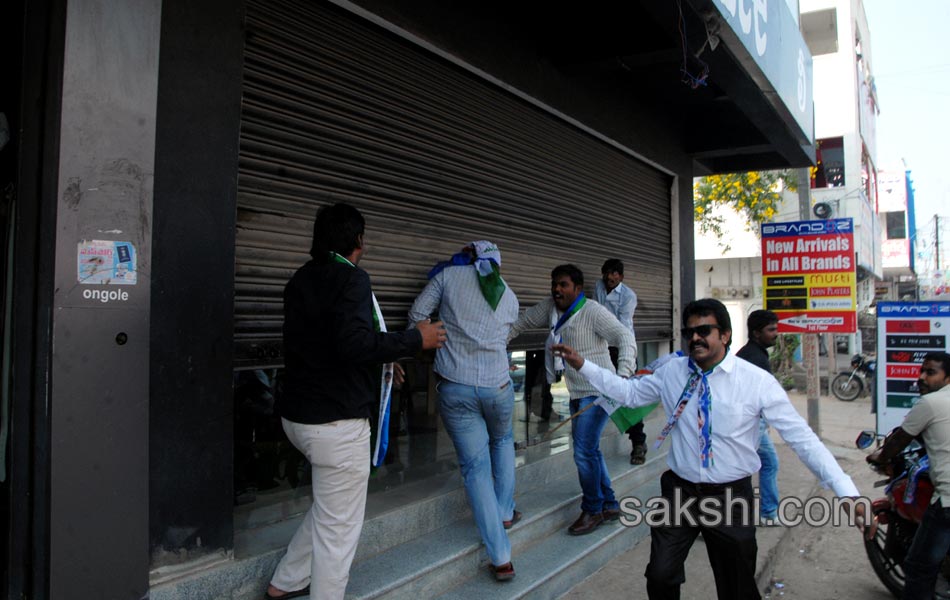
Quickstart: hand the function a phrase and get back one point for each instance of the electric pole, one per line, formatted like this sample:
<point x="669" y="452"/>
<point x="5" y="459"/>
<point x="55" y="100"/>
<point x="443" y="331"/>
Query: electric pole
<point x="810" y="340"/>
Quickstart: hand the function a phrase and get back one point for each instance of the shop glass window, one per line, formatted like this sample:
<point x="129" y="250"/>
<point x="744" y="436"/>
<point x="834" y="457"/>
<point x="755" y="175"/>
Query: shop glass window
<point x="895" y="224"/>
<point x="829" y="168"/>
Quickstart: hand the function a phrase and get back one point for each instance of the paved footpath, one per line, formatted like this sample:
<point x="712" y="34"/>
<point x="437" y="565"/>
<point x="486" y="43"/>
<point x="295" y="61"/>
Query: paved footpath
<point x="794" y="562"/>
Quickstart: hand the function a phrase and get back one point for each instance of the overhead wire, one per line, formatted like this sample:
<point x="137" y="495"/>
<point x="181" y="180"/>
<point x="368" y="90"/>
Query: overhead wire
<point x="693" y="81"/>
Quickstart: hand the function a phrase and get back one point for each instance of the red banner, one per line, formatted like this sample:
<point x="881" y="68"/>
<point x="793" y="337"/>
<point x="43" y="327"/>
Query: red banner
<point x="816" y="322"/>
<point x="908" y="326"/>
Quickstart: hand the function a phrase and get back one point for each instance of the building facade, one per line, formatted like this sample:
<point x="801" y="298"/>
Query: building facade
<point x="843" y="182"/>
<point x="845" y="175"/>
<point x="166" y="162"/>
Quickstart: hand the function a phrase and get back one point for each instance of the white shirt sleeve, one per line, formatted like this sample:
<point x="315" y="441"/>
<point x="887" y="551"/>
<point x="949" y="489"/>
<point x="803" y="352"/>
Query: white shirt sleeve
<point x="780" y="414"/>
<point x="427" y="302"/>
<point x="629" y="392"/>
<point x="536" y="317"/>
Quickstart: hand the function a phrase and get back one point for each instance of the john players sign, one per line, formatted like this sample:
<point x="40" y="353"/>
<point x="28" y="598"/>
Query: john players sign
<point x="808" y="275"/>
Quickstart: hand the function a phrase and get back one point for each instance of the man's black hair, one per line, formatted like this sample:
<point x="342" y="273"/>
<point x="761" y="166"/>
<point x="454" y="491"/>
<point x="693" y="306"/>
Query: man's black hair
<point x="760" y="319"/>
<point x="612" y="265"/>
<point x="577" y="277"/>
<point x="337" y="228"/>
<point x="941" y="357"/>
<point x="709" y="306"/>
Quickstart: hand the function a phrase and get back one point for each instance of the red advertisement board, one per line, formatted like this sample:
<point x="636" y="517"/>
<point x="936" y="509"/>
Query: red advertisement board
<point x="808" y="275"/>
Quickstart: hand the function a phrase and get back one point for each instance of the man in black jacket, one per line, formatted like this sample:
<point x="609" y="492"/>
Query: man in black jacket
<point x="763" y="331"/>
<point x="334" y="343"/>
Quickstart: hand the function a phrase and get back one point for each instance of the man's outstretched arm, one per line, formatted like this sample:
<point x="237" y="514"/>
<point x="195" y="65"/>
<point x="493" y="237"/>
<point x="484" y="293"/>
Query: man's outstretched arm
<point x="629" y="392"/>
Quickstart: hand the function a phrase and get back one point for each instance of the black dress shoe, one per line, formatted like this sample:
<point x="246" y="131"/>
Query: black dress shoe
<point x="586" y="523"/>
<point x="639" y="454"/>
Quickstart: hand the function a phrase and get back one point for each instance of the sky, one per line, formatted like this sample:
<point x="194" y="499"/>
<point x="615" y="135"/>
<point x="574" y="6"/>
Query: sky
<point x="910" y="61"/>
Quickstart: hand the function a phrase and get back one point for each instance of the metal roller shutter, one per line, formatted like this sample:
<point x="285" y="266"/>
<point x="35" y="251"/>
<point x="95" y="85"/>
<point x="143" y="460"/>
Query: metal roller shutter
<point x="336" y="109"/>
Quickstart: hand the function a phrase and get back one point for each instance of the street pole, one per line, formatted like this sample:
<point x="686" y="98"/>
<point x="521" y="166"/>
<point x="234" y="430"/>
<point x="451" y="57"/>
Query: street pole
<point x="810" y="340"/>
<point x="832" y="357"/>
<point x="812" y="379"/>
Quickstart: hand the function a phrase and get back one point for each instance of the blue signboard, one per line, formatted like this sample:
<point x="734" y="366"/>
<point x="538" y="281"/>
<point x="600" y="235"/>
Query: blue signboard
<point x="771" y="36"/>
<point x="906" y="332"/>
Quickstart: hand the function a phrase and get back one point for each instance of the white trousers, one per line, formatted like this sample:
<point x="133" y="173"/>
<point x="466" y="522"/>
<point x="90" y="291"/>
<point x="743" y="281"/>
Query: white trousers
<point x="322" y="549"/>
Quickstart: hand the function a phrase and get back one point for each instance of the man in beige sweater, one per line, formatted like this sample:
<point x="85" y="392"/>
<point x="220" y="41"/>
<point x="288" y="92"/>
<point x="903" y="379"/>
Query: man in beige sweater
<point x="571" y="318"/>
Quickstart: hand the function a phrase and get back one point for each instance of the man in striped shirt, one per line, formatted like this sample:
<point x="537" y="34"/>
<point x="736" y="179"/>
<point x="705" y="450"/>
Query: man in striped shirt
<point x="574" y="319"/>
<point x="620" y="300"/>
<point x="476" y="396"/>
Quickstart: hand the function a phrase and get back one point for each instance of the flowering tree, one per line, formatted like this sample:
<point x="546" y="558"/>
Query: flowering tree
<point x="754" y="195"/>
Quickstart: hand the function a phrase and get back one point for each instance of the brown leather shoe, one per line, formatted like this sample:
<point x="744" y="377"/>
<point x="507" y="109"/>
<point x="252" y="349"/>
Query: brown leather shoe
<point x="514" y="519"/>
<point x="611" y="514"/>
<point x="586" y="523"/>
<point x="503" y="572"/>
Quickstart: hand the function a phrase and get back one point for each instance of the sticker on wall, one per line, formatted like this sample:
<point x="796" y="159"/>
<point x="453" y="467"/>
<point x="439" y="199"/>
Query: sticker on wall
<point x="106" y="262"/>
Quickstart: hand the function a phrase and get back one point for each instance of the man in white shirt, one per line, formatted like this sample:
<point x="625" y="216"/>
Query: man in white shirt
<point x="714" y="402"/>
<point x="930" y="419"/>
<point x="621" y="301"/>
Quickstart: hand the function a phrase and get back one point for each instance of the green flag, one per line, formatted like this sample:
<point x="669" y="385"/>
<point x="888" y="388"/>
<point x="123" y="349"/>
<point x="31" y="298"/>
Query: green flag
<point x="625" y="417"/>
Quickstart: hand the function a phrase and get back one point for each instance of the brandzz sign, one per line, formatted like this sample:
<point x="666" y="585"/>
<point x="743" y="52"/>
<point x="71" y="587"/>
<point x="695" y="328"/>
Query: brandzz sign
<point x="809" y="227"/>
<point x="914" y="309"/>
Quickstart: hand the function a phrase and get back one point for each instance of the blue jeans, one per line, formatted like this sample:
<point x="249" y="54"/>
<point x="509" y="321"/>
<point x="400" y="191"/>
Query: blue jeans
<point x="930" y="545"/>
<point x="478" y="419"/>
<point x="591" y="467"/>
<point x="768" y="475"/>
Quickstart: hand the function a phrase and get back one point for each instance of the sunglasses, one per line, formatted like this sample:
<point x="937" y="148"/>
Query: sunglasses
<point x="702" y="330"/>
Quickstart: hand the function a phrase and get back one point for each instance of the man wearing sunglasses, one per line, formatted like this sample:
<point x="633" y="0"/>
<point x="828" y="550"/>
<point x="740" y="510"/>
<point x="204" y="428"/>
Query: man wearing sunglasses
<point x="713" y="403"/>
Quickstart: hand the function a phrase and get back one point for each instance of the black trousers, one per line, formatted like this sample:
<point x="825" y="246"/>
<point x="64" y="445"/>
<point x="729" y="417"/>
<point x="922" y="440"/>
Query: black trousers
<point x="635" y="432"/>
<point x="731" y="549"/>
<point x="535" y="374"/>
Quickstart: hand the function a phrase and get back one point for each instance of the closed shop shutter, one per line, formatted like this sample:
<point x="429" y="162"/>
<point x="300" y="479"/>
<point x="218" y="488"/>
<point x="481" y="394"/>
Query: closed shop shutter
<point x="336" y="109"/>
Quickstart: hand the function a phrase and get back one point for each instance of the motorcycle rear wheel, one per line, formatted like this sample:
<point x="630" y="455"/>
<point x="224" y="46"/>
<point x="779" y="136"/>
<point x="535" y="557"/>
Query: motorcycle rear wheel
<point x="887" y="569"/>
<point x="845" y="387"/>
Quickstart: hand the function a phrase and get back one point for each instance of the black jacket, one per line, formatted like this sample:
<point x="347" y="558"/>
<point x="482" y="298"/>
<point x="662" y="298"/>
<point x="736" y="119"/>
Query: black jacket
<point x="332" y="352"/>
<point x="755" y="354"/>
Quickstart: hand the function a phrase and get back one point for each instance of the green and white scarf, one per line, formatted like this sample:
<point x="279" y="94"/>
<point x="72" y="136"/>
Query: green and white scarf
<point x="381" y="435"/>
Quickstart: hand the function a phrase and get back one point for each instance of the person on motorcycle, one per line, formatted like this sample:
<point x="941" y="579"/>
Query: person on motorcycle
<point x="930" y="419"/>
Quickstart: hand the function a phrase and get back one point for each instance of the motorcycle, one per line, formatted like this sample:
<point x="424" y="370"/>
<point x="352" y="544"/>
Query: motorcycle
<point x="908" y="490"/>
<point x="848" y="385"/>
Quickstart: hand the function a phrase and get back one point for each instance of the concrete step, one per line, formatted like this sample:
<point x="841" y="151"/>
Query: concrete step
<point x="405" y="515"/>
<point x="435" y="563"/>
